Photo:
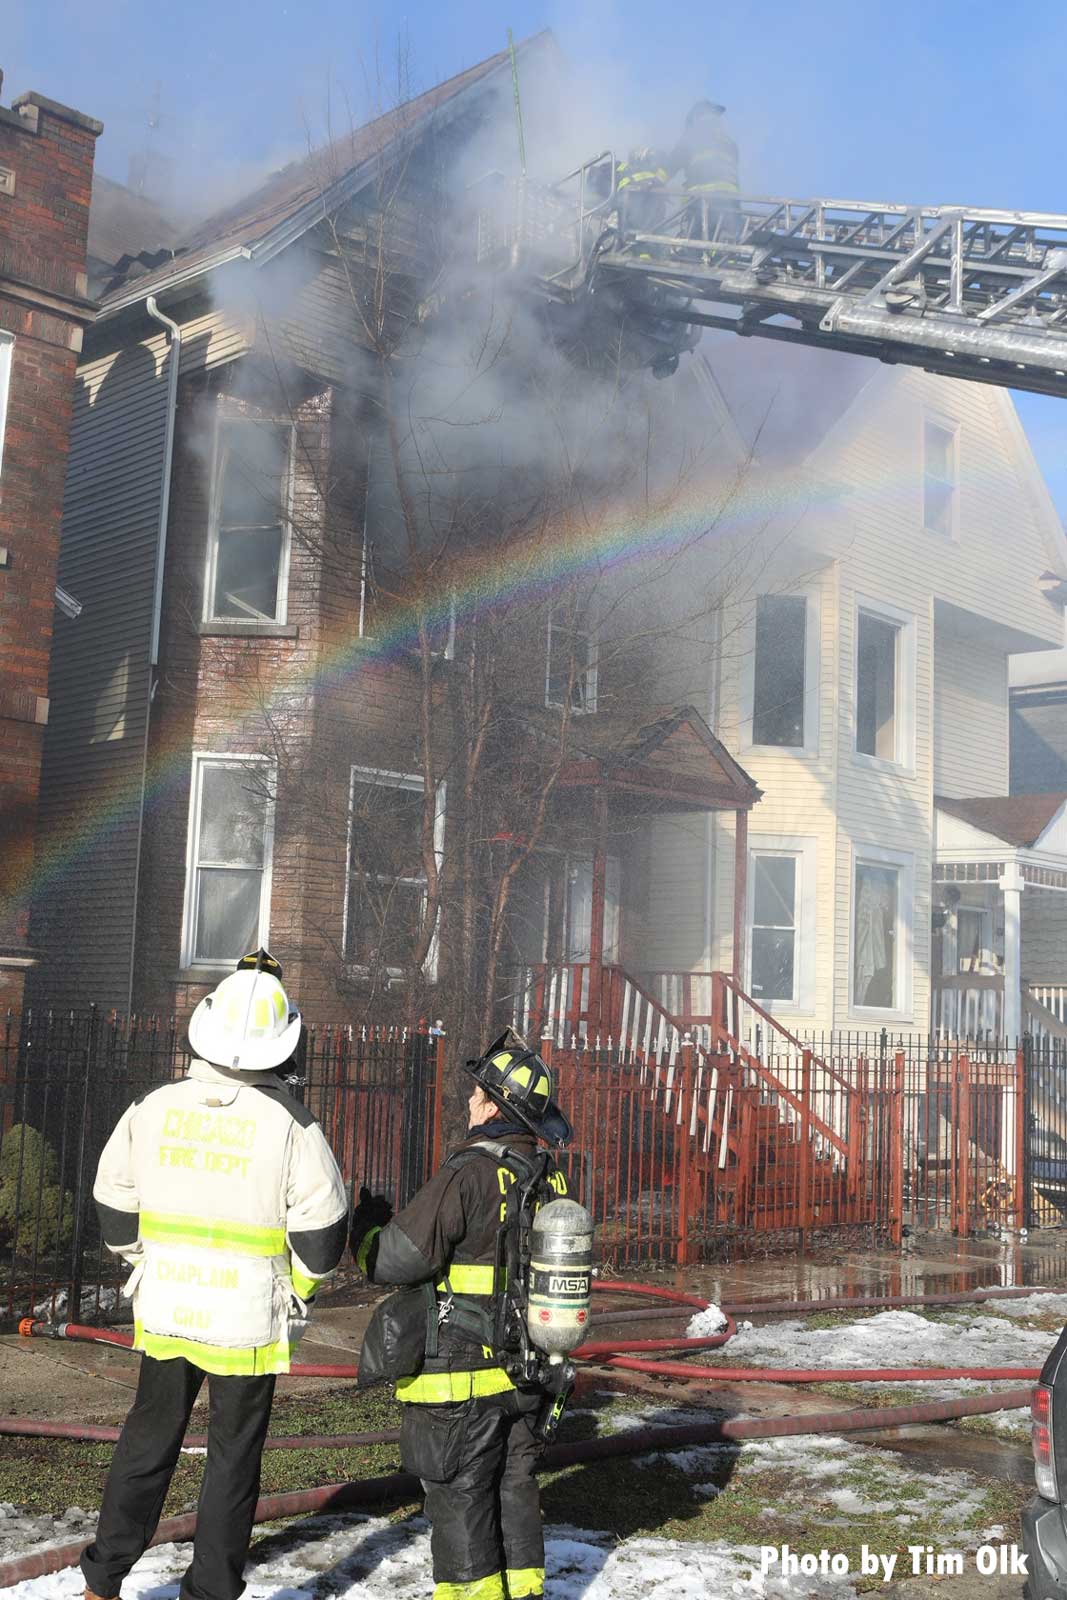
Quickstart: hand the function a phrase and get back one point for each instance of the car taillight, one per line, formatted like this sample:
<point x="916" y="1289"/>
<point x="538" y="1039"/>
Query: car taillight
<point x="1041" y="1437"/>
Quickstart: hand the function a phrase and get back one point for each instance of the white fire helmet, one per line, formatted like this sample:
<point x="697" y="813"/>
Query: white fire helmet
<point x="246" y="1025"/>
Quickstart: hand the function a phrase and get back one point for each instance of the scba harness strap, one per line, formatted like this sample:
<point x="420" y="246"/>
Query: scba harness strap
<point x="488" y="1282"/>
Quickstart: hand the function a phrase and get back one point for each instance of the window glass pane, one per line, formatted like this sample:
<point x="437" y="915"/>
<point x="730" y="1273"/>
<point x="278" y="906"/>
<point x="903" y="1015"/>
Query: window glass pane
<point x="778" y="693"/>
<point x="937" y="515"/>
<point x="232" y="817"/>
<point x="874" y="935"/>
<point x="227" y="914"/>
<point x="939" y="452"/>
<point x="384" y="918"/>
<point x="566" y="644"/>
<point x="386" y="838"/>
<point x="247" y="565"/>
<point x="774" y="891"/>
<point x="252" y="463"/>
<point x="773" y="964"/>
<point x="876" y="687"/>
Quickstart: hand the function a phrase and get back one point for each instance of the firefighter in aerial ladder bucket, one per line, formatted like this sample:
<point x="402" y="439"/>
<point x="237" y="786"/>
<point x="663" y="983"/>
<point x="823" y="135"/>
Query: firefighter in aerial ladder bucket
<point x="222" y="1193"/>
<point x="640" y="182"/>
<point x="707" y="157"/>
<point x="477" y="1352"/>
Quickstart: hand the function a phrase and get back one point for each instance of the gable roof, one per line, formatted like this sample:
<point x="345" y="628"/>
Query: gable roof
<point x="301" y="194"/>
<point x="673" y="754"/>
<point x="1018" y="819"/>
<point x="124" y="223"/>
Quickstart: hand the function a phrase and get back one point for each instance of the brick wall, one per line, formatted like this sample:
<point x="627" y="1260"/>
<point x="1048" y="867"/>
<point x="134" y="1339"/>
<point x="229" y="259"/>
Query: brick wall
<point x="46" y="167"/>
<point x="313" y="699"/>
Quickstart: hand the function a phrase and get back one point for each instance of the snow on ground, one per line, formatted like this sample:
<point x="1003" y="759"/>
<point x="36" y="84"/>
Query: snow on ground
<point x="368" y="1558"/>
<point x="706" y="1323"/>
<point x="1031" y="1305"/>
<point x="95" y="1299"/>
<point x="897" y="1339"/>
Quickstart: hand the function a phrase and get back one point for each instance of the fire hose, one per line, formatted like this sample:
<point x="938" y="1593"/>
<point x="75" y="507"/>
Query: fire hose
<point x="382" y="1491"/>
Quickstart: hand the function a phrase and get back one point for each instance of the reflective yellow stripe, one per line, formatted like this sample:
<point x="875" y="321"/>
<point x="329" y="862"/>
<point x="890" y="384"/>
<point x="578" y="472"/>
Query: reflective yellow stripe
<point x="303" y="1285"/>
<point x="491" y="1588"/>
<point x="523" y="1581"/>
<point x="253" y="1361"/>
<point x="717" y="186"/>
<point x="438" y="1388"/>
<point x="471" y="1279"/>
<point x="364" y="1248"/>
<point x="243" y="1237"/>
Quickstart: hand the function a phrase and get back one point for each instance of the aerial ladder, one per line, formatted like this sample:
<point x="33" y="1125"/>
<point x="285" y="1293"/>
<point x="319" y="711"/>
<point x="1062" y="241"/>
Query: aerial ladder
<point x="970" y="293"/>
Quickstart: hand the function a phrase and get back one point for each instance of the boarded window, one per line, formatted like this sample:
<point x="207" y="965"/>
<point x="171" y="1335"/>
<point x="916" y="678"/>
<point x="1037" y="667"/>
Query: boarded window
<point x="939" y="478"/>
<point x="774" y="928"/>
<point x="232" y="820"/>
<point x="250" y="521"/>
<point x="778" y="671"/>
<point x="571" y="670"/>
<point x="876" y="915"/>
<point x="877" y="675"/>
<point x="386" y="884"/>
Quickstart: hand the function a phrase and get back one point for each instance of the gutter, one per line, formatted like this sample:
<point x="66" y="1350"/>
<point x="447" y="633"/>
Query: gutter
<point x="168" y="455"/>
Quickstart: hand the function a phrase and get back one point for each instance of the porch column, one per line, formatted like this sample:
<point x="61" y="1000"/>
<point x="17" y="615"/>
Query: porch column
<point x="740" y="894"/>
<point x="1011" y="886"/>
<point x="596" y="910"/>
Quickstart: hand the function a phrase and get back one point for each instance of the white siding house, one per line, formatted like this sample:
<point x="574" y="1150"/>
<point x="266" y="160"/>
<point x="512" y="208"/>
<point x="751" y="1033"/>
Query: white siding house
<point x="862" y="672"/>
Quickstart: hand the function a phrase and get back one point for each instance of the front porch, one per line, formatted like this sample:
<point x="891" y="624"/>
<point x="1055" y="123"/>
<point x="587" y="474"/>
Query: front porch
<point x="999" y="946"/>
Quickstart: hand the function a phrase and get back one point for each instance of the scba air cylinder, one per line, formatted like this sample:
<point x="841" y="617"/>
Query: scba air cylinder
<point x="561" y="1272"/>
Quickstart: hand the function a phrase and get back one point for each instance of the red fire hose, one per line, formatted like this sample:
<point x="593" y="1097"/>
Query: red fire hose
<point x="637" y="1441"/>
<point x="377" y="1493"/>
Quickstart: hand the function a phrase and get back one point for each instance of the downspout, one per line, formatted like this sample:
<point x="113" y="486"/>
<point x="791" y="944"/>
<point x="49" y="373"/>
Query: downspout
<point x="168" y="455"/>
<point x="174" y="359"/>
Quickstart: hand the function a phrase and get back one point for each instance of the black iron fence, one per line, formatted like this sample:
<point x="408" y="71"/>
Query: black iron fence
<point x="65" y="1079"/>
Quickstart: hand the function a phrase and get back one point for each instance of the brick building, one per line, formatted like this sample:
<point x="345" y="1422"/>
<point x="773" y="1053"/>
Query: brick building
<point x="46" y="175"/>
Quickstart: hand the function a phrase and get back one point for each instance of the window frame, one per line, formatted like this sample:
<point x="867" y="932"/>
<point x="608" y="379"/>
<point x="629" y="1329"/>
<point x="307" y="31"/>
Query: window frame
<point x="208" y="617"/>
<point x="7" y="359"/>
<point x="812" y="675"/>
<point x="903" y="861"/>
<point x="591" y="674"/>
<point x="951" y="427"/>
<point x="191" y="900"/>
<point x="386" y="778"/>
<point x="903" y="760"/>
<point x="803" y="849"/>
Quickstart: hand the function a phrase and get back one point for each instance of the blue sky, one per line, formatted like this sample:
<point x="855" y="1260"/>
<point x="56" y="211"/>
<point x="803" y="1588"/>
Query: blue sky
<point x="900" y="100"/>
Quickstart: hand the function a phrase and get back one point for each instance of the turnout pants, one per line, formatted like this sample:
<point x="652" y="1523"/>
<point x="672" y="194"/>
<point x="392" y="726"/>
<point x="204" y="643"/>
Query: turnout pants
<point x="476" y="1459"/>
<point x="144" y="1461"/>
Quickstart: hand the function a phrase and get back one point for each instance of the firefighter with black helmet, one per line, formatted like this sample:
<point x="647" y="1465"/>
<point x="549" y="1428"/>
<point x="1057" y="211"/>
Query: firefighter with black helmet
<point x="708" y="158"/>
<point x="472" y="1428"/>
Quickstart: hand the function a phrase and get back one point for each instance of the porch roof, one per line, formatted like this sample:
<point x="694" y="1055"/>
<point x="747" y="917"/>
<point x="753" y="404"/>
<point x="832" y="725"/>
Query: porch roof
<point x="670" y="757"/>
<point x="976" y="839"/>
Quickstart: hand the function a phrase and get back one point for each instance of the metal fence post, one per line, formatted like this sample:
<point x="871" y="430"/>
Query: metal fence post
<point x="963" y="1182"/>
<point x="805" y="1208"/>
<point x="896" y="1153"/>
<point x="1020" y="1135"/>
<point x="685" y="1149"/>
<point x="438" y="1034"/>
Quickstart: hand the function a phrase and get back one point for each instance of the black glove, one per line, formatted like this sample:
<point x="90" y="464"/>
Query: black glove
<point x="373" y="1211"/>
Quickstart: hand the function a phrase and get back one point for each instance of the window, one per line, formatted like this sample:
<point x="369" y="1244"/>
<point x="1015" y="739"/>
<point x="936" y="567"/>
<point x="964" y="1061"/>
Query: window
<point x="882" y="912"/>
<point x="571" y="660"/>
<point x="774" y="928"/>
<point x="779" y="670"/>
<point x="227" y="899"/>
<point x="939" y="478"/>
<point x="781" y="918"/>
<point x="385" y="894"/>
<point x="248" y="551"/>
<point x="6" y="347"/>
<point x="885" y="679"/>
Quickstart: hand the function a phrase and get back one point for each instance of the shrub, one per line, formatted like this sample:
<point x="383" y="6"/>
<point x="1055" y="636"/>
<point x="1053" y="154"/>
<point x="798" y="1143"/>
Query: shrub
<point x="33" y="1204"/>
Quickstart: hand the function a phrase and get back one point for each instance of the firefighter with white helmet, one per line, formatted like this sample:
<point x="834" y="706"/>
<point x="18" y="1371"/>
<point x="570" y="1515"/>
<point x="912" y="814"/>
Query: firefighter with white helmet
<point x="222" y="1193"/>
<point x="476" y="1408"/>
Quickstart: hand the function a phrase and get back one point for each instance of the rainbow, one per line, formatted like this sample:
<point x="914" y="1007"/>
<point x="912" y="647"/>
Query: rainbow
<point x="528" y="570"/>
